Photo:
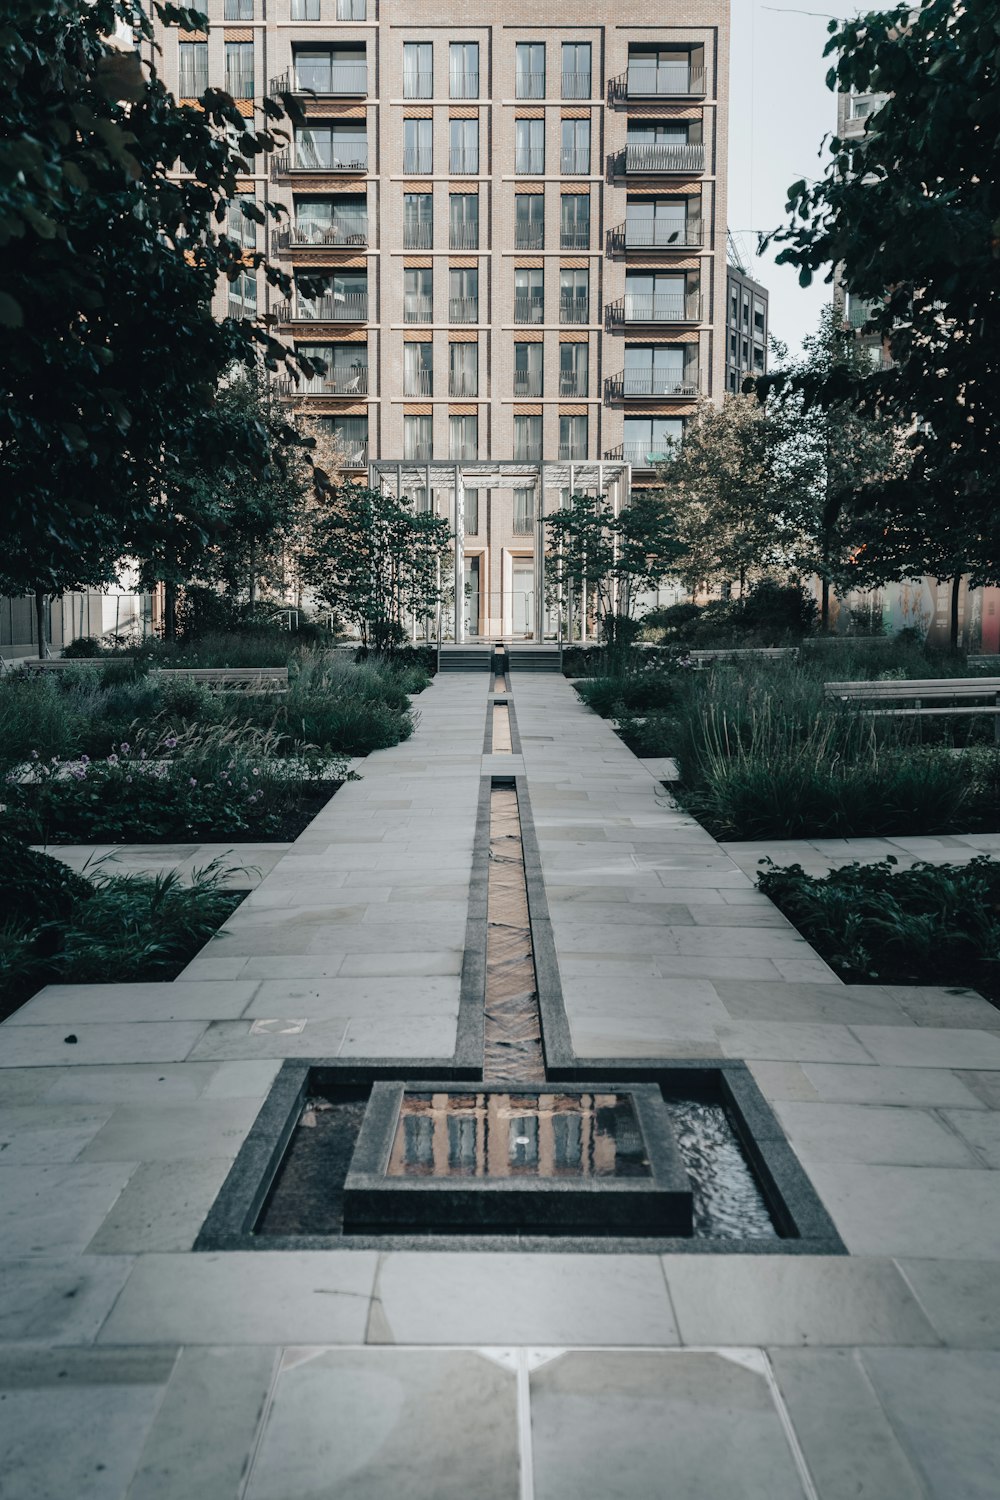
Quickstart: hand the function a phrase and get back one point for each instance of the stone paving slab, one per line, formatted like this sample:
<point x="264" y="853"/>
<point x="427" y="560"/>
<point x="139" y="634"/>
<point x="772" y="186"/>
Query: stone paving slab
<point x="244" y="865"/>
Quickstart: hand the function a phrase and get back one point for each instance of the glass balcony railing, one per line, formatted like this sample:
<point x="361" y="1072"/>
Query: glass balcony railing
<point x="664" y="156"/>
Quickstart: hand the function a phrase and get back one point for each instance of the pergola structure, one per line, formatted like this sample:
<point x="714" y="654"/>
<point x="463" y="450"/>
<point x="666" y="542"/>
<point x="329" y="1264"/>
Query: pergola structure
<point x="589" y="476"/>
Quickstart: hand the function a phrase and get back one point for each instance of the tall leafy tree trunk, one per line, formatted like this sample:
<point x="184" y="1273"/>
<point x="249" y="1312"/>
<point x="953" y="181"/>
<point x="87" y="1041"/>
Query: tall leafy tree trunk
<point x="40" y="621"/>
<point x="824" y="604"/>
<point x="170" y="610"/>
<point x="956" y="587"/>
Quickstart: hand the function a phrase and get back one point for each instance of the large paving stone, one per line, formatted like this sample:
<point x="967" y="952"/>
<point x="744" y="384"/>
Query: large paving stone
<point x="367" y="1424"/>
<point x="57" y="1209"/>
<point x="37" y="1134"/>
<point x="78" y="1440"/>
<point x="931" y="1047"/>
<point x="791" y="1041"/>
<point x="961" y="1298"/>
<point x="981" y="1128"/>
<point x="919" y="1211"/>
<point x="180" y="1000"/>
<point x="169" y="1132"/>
<point x="77" y="1044"/>
<point x="163" y="1206"/>
<point x="58" y="1299"/>
<point x="873" y="1133"/>
<point x="846" y="1084"/>
<point x="682" y="1426"/>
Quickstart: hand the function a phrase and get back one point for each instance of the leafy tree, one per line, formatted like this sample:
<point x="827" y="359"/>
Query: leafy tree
<point x="109" y="348"/>
<point x="616" y="557"/>
<point x="910" y="211"/>
<point x="374" y="560"/>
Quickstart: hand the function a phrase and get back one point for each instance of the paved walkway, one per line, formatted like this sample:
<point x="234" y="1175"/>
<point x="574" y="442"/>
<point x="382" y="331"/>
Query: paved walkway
<point x="820" y="856"/>
<point x="287" y="1376"/>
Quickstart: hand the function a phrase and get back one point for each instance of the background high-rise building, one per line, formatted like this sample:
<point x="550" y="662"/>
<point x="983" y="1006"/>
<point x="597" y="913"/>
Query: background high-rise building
<point x="746" y="328"/>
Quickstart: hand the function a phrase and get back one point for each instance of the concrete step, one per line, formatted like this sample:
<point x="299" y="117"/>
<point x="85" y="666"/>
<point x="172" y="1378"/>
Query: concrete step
<point x="535" y="658"/>
<point x="465" y="658"/>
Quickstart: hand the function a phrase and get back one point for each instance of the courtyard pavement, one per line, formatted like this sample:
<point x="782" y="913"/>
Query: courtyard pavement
<point x="133" y="1369"/>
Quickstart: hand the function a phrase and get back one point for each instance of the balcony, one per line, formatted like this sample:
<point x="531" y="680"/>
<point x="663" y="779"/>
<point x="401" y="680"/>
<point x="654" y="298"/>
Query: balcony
<point x="418" y="84"/>
<point x="335" y="82"/>
<point x="574" y="239"/>
<point x="352" y="157"/>
<point x="349" y="381"/>
<point x="571" y="385"/>
<point x="574" y="161"/>
<point x="239" y="82"/>
<point x="352" y="307"/>
<point x="418" y="159"/>
<point x="353" y="455"/>
<point x="529" y="236"/>
<point x="653" y="157"/>
<point x="529" y="86"/>
<point x="418" y="236"/>
<point x="654" y="80"/>
<point x="306" y="235"/>
<point x="529" y="161"/>
<point x="655" y="307"/>
<point x="639" y="455"/>
<point x="574" y="310"/>
<point x="463" y="309"/>
<point x="463" y="161"/>
<point x="576" y="85"/>
<point x="192" y="82"/>
<point x="418" y="382"/>
<point x="527" y="382"/>
<point x="656" y="234"/>
<point x="464" y="85"/>
<point x="644" y="384"/>
<point x="417" y="309"/>
<point x="464" y="384"/>
<point x="528" y="308"/>
<point x="572" y="452"/>
<point x="463" y="237"/>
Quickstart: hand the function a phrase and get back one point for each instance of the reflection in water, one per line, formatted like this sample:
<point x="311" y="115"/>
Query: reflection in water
<point x="518" y="1135"/>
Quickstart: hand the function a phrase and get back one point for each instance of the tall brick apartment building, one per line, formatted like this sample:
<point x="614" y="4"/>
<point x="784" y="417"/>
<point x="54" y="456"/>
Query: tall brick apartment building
<point x="517" y="213"/>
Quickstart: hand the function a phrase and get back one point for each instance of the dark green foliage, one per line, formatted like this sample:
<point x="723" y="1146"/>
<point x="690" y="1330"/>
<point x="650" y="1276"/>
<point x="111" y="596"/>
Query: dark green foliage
<point x="932" y="924"/>
<point x="784" y="611"/>
<point x="32" y="883"/>
<point x="84" y="645"/>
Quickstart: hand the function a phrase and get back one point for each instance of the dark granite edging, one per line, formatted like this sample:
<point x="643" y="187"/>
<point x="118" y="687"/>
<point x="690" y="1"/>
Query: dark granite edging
<point x="557" y="1043"/>
<point x="469" y="1039"/>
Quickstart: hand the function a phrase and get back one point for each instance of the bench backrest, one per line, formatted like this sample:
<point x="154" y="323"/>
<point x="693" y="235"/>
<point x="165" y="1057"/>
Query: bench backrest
<point x="721" y="653"/>
<point x="197" y="674"/>
<point x="914" y="687"/>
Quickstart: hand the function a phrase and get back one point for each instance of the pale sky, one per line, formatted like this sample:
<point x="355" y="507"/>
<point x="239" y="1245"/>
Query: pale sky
<point x="780" y="110"/>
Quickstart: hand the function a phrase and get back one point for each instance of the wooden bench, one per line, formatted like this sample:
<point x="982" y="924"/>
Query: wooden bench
<point x="739" y="653"/>
<point x="223" y="679"/>
<point x="886" y="697"/>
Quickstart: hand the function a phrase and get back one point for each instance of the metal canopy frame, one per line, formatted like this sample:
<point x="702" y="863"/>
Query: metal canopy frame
<point x="599" y="476"/>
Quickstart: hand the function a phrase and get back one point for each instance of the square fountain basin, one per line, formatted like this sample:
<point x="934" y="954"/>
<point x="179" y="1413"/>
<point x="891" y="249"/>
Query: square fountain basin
<point x="532" y="1159"/>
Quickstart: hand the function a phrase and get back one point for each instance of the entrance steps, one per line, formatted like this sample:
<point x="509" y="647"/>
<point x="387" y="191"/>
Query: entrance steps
<point x="465" y="658"/>
<point x="529" y="658"/>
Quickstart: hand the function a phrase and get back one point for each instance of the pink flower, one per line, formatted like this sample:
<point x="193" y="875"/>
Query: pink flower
<point x="192" y="782"/>
<point x="112" y="760"/>
<point x="171" y="742"/>
<point x="85" y="760"/>
<point x="124" y="748"/>
<point x="34" y="754"/>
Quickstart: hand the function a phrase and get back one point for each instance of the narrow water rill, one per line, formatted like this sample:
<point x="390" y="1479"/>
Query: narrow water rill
<point x="502" y="743"/>
<point x="512" y="1024"/>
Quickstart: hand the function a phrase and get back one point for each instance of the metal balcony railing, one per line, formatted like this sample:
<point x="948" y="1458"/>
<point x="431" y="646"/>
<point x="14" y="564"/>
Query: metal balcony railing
<point x="192" y="82"/>
<point x="326" y="82"/>
<point x="529" y="236"/>
<point x="571" y="384"/>
<point x="656" y="307"/>
<point x="656" y="234"/>
<point x="524" y="523"/>
<point x="860" y="314"/>
<point x="527" y="452"/>
<point x="463" y="85"/>
<point x="463" y="386"/>
<point x="354" y="455"/>
<point x="349" y="158"/>
<point x="417" y="309"/>
<point x="239" y="82"/>
<point x="463" y="309"/>
<point x="573" y="310"/>
<point x="463" y="161"/>
<point x="529" y="86"/>
<point x="654" y="80"/>
<point x="574" y="161"/>
<point x="352" y="307"/>
<point x="665" y="156"/>
<point x="463" y="236"/>
<point x="574" y="239"/>
<point x="527" y="382"/>
<point x="305" y="234"/>
<point x="418" y="236"/>
<point x="350" y="381"/>
<point x="576" y="85"/>
<point x="639" y="455"/>
<point x="418" y="85"/>
<point x="571" y="451"/>
<point x="418" y="158"/>
<point x="528" y="309"/>
<point x="645" y="383"/>
<point x="529" y="161"/>
<point x="418" y="382"/>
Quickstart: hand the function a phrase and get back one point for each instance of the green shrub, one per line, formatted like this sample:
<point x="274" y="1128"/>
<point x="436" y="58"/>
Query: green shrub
<point x="775" y="610"/>
<point x="84" y="645"/>
<point x="34" y="885"/>
<point x="932" y="924"/>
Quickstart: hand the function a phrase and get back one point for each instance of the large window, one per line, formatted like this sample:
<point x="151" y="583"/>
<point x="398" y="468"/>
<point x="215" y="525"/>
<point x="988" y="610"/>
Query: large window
<point x="528" y="369"/>
<point x="463" y="437"/>
<point x="418" y="369"/>
<point x="239" y="69"/>
<point x="243" y="296"/>
<point x="529" y="147"/>
<point x="576" y="70"/>
<point x="529" y="294"/>
<point x="524" y="511"/>
<point x="529" y="221"/>
<point x="238" y="10"/>
<point x="529" y="63"/>
<point x="350" y="434"/>
<point x="649" y="440"/>
<point x="656" y="369"/>
<point x="573" y="437"/>
<point x="574" y="221"/>
<point x="305" y="10"/>
<point x="238" y="226"/>
<point x="352" y="10"/>
<point x="463" y="370"/>
<point x="574" y="158"/>
<point x="463" y="221"/>
<point x="463" y="154"/>
<point x="418" y="145"/>
<point x="336" y="148"/>
<point x="193" y="69"/>
<point x="333" y="296"/>
<point x="418" y="221"/>
<point x="418" y="70"/>
<point x="463" y="295"/>
<point x="656" y="70"/>
<point x="659" y="223"/>
<point x="418" y="438"/>
<point x="574" y="295"/>
<point x="655" y="297"/>
<point x="418" y="294"/>
<point x="330" y="221"/>
<point x="574" y="365"/>
<point x="463" y="70"/>
<point x="345" y="369"/>
<point x="331" y="70"/>
<point x="528" y="439"/>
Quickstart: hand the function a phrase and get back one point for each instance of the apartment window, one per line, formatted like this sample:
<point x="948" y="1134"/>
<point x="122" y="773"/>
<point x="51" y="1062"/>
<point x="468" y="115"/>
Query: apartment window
<point x="331" y="70"/>
<point x="463" y="70"/>
<point x="330" y="221"/>
<point x="463" y="154"/>
<point x="463" y="295"/>
<point x="650" y="440"/>
<point x="238" y="226"/>
<point x="572" y="437"/>
<point x="652" y="297"/>
<point x="574" y="158"/>
<point x="529" y="221"/>
<point x="472" y="529"/>
<point x="338" y="296"/>
<point x="418" y="221"/>
<point x="352" y="10"/>
<point x="758" y="316"/>
<point x="350" y="435"/>
<point x="463" y="221"/>
<point x="529" y="63"/>
<point x="418" y="145"/>
<point x="734" y="307"/>
<point x="746" y="312"/>
<point x="758" y="357"/>
<point x="574" y="367"/>
<point x="528" y="438"/>
<point x="529" y="146"/>
<point x="418" y="70"/>
<point x="574" y="295"/>
<point x="243" y="296"/>
<point x="331" y="148"/>
<point x="576" y="70"/>
<point x="239" y="69"/>
<point x="418" y="369"/>
<point x="745" y="349"/>
<point x="529" y="294"/>
<point x="463" y="370"/>
<point x="418" y="438"/>
<point x="463" y="437"/>
<point x="305" y="10"/>
<point x="658" y="223"/>
<point x="345" y="369"/>
<point x="524" y="511"/>
<point x="660" y="71"/>
<point x="656" y="370"/>
<point x="193" y="60"/>
<point x="418" y="294"/>
<point x="528" y="369"/>
<point x="574" y="221"/>
<point x="238" y="10"/>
